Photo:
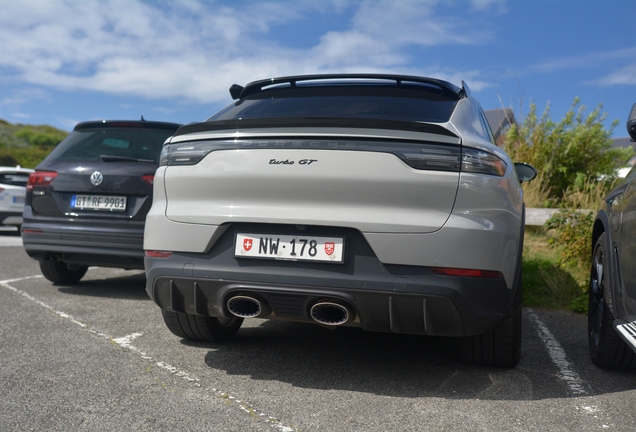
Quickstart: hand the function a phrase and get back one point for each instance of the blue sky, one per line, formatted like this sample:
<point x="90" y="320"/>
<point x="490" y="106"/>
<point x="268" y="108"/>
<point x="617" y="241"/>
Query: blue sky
<point x="62" y="62"/>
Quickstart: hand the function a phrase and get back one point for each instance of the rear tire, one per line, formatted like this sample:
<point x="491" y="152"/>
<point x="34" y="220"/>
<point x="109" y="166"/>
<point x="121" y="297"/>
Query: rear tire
<point x="201" y="328"/>
<point x="62" y="273"/>
<point x="499" y="347"/>
<point x="607" y="349"/>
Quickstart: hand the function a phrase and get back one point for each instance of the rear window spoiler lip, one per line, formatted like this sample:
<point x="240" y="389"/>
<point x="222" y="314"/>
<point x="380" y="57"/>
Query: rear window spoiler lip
<point x="264" y="123"/>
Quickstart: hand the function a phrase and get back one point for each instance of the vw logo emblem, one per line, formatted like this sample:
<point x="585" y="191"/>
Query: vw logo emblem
<point x="97" y="178"/>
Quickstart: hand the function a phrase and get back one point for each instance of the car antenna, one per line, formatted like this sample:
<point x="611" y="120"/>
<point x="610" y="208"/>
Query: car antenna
<point x="142" y="118"/>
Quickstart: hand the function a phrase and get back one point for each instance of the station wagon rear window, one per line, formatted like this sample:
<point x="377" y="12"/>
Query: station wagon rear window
<point x="92" y="144"/>
<point x="14" y="179"/>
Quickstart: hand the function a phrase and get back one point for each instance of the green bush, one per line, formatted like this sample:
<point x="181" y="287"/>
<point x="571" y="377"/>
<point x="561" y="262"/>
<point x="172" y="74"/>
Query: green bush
<point x="547" y="282"/>
<point x="27" y="145"/>
<point x="44" y="137"/>
<point x="574" y="237"/>
<point x="25" y="157"/>
<point x="570" y="155"/>
<point x="577" y="167"/>
<point x="574" y="233"/>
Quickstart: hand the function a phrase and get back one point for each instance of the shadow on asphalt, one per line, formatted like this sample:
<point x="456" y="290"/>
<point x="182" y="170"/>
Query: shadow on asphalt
<point x="351" y="359"/>
<point x="131" y="287"/>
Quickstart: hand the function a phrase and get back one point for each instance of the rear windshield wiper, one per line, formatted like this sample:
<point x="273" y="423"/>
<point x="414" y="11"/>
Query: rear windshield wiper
<point x="107" y="158"/>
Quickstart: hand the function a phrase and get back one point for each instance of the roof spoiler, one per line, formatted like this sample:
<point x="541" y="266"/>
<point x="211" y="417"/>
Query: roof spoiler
<point x="240" y="92"/>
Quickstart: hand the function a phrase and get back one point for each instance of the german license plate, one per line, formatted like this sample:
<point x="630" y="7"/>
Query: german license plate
<point x="290" y="248"/>
<point x="18" y="200"/>
<point x="98" y="202"/>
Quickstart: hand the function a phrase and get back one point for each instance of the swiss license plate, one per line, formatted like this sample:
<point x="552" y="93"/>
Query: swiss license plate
<point x="290" y="248"/>
<point x="98" y="202"/>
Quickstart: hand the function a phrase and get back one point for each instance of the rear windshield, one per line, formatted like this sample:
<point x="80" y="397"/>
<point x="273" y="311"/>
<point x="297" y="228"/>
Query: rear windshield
<point x="406" y="103"/>
<point x="14" y="179"/>
<point x="92" y="144"/>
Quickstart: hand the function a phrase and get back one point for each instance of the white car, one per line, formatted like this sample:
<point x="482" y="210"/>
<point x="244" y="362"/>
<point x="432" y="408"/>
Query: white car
<point x="373" y="201"/>
<point x="13" y="181"/>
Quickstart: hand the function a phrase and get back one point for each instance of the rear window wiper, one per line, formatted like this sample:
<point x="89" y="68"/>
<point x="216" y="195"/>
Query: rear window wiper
<point x="107" y="158"/>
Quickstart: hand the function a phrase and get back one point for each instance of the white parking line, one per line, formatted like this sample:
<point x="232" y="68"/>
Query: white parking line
<point x="125" y="342"/>
<point x="10" y="241"/>
<point x="557" y="354"/>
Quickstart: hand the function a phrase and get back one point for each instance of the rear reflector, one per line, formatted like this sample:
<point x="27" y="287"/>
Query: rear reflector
<point x="446" y="271"/>
<point x="32" y="231"/>
<point x="158" y="254"/>
<point x="40" y="178"/>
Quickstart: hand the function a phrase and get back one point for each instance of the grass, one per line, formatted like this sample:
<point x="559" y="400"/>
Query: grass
<point x="547" y="282"/>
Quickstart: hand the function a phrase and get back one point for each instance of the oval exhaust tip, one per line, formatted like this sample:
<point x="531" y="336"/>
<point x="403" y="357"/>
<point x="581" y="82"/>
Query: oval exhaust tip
<point x="332" y="314"/>
<point x="244" y="307"/>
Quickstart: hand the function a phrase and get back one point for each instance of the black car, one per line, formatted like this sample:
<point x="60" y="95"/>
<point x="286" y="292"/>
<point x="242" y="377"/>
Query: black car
<point x="612" y="296"/>
<point x="86" y="203"/>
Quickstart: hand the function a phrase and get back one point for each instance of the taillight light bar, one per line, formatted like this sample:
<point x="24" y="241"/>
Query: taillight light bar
<point x="40" y="178"/>
<point x="32" y="231"/>
<point x="447" y="271"/>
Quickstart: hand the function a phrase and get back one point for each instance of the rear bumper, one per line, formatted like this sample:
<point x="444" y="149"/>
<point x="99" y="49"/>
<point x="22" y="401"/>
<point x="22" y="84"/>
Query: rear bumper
<point x="453" y="309"/>
<point x="384" y="297"/>
<point x="85" y="242"/>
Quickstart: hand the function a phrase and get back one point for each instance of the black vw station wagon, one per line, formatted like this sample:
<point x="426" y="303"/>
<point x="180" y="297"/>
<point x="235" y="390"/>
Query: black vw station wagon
<point x="87" y="201"/>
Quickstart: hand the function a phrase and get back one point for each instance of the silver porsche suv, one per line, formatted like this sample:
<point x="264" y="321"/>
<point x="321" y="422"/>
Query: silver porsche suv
<point x="370" y="201"/>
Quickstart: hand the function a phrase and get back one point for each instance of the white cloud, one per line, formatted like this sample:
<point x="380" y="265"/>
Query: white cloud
<point x="623" y="76"/>
<point x="410" y="22"/>
<point x="22" y="116"/>
<point x="587" y="61"/>
<point x="619" y="60"/>
<point x="195" y="50"/>
<point x="499" y="5"/>
<point x="24" y="95"/>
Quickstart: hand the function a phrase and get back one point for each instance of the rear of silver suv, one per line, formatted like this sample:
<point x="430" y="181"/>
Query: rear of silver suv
<point x="373" y="201"/>
<point x="13" y="181"/>
<point x="87" y="201"/>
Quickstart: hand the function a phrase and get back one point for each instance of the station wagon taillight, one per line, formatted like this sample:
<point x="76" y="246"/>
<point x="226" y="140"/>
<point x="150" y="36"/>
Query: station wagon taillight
<point x="40" y="178"/>
<point x="157" y="254"/>
<point x="149" y="178"/>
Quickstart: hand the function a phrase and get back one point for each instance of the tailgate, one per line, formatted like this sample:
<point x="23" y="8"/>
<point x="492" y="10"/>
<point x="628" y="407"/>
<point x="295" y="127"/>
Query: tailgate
<point x="371" y="191"/>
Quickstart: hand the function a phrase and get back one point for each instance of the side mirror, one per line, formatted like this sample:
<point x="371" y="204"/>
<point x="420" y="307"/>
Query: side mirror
<point x="525" y="172"/>
<point x="631" y="123"/>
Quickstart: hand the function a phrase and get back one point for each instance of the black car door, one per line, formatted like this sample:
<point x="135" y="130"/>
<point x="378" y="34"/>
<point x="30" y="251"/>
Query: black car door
<point x="626" y="247"/>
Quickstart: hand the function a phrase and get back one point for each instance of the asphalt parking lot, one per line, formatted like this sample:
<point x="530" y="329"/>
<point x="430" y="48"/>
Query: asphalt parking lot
<point x="97" y="356"/>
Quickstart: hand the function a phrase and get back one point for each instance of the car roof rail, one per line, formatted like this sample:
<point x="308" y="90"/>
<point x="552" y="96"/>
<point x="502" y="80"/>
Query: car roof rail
<point x="240" y="92"/>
